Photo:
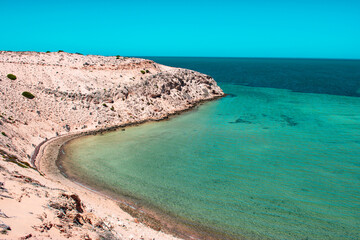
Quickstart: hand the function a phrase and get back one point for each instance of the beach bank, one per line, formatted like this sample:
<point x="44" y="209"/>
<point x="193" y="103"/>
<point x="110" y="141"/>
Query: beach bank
<point x="77" y="95"/>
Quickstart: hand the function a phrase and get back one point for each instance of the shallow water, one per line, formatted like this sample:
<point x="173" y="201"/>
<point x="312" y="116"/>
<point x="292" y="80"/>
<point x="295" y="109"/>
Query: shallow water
<point x="260" y="163"/>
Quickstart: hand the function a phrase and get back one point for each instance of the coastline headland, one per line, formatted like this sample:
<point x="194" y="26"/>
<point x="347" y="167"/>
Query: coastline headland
<point x="48" y="99"/>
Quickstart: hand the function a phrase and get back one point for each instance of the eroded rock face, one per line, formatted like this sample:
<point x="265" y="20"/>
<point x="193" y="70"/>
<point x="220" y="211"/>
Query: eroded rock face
<point x="72" y="91"/>
<point x="31" y="210"/>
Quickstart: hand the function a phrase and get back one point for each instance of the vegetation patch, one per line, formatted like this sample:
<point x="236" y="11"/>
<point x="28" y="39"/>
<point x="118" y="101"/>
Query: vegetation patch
<point x="104" y="104"/>
<point x="11" y="76"/>
<point x="28" y="95"/>
<point x="60" y="51"/>
<point x="112" y="108"/>
<point x="4" y="134"/>
<point x="47" y="51"/>
<point x="117" y="56"/>
<point x="142" y="71"/>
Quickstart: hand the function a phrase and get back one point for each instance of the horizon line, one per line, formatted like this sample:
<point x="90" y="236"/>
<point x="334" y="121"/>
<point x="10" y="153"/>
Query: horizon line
<point x="293" y="58"/>
<point x="162" y="56"/>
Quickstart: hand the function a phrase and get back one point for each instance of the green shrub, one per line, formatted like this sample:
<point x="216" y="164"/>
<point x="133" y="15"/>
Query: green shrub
<point x="4" y="134"/>
<point x="104" y="104"/>
<point x="60" y="51"/>
<point x="11" y="76"/>
<point x="117" y="56"/>
<point x="142" y="71"/>
<point x="28" y="95"/>
<point x="112" y="108"/>
<point x="47" y="51"/>
<point x="147" y="71"/>
<point x="79" y="53"/>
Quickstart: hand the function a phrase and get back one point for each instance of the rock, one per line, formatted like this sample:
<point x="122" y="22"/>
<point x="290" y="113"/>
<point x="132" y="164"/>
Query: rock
<point x="155" y="95"/>
<point x="77" y="202"/>
<point x="67" y="128"/>
<point x="26" y="237"/>
<point x="86" y="237"/>
<point x="3" y="215"/>
<point x="78" y="219"/>
<point x="3" y="227"/>
<point x="109" y="100"/>
<point x="70" y="81"/>
<point x="206" y="92"/>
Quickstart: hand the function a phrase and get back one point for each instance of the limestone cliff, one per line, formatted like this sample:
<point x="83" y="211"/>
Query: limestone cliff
<point x="73" y="92"/>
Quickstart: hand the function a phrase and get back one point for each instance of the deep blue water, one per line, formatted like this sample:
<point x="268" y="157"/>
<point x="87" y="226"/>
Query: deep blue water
<point x="338" y="77"/>
<point x="273" y="160"/>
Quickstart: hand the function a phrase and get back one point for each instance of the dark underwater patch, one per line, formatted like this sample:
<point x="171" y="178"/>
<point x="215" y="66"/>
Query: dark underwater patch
<point x="231" y="95"/>
<point x="289" y="121"/>
<point x="240" y="120"/>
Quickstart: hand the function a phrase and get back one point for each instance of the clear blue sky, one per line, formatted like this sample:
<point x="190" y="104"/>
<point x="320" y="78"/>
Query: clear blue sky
<point x="253" y="28"/>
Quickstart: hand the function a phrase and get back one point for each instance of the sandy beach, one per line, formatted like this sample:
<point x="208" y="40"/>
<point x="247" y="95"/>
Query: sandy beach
<point x="74" y="95"/>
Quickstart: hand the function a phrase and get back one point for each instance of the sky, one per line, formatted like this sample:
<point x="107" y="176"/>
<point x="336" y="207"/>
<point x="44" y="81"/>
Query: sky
<point x="226" y="28"/>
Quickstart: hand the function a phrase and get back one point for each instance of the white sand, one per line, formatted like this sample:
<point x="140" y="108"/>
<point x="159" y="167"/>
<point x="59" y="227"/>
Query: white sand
<point x="76" y="93"/>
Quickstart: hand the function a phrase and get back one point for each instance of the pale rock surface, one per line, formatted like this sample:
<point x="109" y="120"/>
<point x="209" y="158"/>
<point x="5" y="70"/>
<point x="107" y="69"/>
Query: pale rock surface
<point x="76" y="93"/>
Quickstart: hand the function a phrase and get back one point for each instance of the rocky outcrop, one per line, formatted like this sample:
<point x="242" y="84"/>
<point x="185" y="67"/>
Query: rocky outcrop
<point x="49" y="95"/>
<point x="76" y="93"/>
<point x="47" y="212"/>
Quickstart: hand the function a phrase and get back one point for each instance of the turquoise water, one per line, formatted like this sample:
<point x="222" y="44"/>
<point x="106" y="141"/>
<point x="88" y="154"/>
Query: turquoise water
<point x="261" y="163"/>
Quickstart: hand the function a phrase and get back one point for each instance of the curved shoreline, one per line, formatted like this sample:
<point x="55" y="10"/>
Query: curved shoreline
<point x="43" y="144"/>
<point x="78" y="95"/>
<point x="46" y="159"/>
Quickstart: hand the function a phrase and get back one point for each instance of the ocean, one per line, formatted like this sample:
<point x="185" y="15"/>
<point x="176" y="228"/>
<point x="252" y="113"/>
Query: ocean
<point x="277" y="158"/>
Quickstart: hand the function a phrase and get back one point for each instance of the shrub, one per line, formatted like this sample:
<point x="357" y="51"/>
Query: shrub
<point x="104" y="104"/>
<point x="28" y="95"/>
<point x="4" y="134"/>
<point x="60" y="51"/>
<point x="11" y="76"/>
<point x="147" y="71"/>
<point x="112" y="108"/>
<point x="117" y="56"/>
<point x="142" y="71"/>
<point x="47" y="51"/>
